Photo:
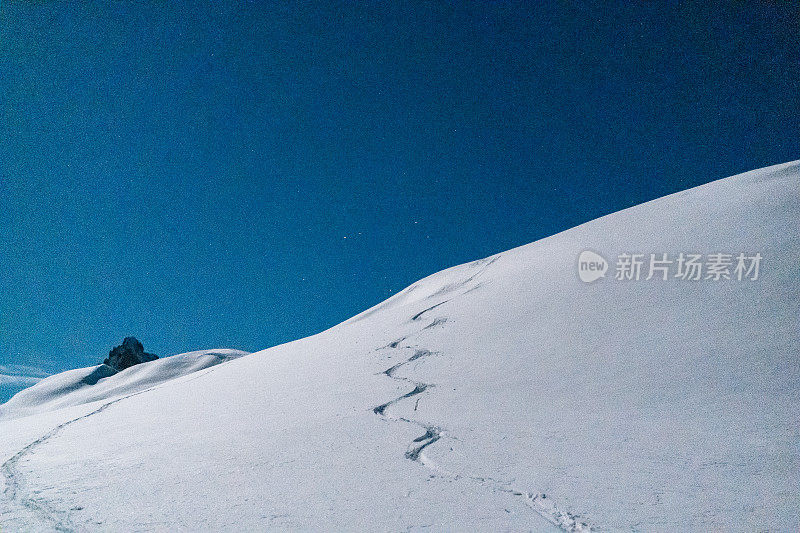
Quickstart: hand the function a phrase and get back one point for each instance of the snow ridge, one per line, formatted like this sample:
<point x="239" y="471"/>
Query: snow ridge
<point x="537" y="502"/>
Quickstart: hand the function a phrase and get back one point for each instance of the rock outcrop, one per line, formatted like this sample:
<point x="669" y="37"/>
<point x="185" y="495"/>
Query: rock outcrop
<point x="129" y="353"/>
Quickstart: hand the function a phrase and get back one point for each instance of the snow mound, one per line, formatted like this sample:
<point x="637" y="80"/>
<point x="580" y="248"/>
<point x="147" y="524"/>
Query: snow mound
<point x="85" y="385"/>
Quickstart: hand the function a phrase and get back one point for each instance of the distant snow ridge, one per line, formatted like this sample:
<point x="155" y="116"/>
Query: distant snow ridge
<point x="85" y="385"/>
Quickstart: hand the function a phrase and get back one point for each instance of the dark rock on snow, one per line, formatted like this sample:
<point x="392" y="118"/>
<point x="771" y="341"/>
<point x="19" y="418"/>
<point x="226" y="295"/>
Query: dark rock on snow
<point x="129" y="353"/>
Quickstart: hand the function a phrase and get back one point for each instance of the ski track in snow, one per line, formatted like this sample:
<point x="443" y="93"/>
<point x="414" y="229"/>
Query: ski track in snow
<point x="17" y="488"/>
<point x="18" y="493"/>
<point x="537" y="502"/>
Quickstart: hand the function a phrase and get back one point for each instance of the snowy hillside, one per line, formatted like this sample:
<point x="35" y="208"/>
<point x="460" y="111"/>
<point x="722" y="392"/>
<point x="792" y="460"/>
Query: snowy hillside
<point x="504" y="394"/>
<point x="102" y="382"/>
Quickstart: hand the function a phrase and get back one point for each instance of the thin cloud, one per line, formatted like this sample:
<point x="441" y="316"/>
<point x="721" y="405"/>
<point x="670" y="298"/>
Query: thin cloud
<point x="23" y="370"/>
<point x="20" y="375"/>
<point x="16" y="379"/>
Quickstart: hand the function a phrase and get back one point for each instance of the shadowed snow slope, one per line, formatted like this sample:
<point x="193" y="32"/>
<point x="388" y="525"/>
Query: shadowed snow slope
<point x="504" y="394"/>
<point x="86" y="385"/>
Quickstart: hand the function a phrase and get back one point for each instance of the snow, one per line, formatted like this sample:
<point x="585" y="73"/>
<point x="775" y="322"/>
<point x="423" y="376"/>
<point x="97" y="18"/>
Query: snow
<point x="92" y="384"/>
<point x="504" y="394"/>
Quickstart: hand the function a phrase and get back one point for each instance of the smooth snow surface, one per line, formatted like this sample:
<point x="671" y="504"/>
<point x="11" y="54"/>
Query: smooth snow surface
<point x="102" y="382"/>
<point x="504" y="394"/>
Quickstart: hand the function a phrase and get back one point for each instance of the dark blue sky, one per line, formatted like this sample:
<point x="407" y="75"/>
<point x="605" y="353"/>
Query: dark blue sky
<point x="188" y="173"/>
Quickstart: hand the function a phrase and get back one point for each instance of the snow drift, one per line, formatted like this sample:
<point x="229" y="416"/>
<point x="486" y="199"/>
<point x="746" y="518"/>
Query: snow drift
<point x="86" y="385"/>
<point x="504" y="394"/>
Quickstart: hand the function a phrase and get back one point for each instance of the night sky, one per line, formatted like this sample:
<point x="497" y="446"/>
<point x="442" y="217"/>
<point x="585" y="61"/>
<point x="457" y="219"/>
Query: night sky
<point x="244" y="174"/>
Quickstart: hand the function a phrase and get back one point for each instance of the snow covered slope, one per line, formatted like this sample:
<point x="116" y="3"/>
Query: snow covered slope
<point x="102" y="382"/>
<point x="504" y="394"/>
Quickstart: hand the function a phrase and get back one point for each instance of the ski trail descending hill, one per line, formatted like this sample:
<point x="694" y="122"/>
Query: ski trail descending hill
<point x="538" y="502"/>
<point x="17" y="491"/>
